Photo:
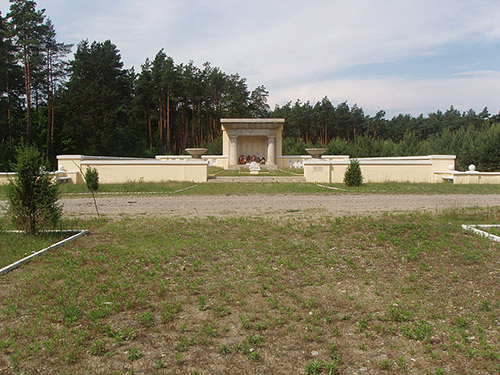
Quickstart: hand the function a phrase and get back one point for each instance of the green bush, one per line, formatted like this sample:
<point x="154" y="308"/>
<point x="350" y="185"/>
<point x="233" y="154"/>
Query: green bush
<point x="32" y="194"/>
<point x="92" y="179"/>
<point x="353" y="176"/>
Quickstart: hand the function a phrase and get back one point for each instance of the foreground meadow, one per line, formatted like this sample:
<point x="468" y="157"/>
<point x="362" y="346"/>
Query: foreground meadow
<point x="393" y="294"/>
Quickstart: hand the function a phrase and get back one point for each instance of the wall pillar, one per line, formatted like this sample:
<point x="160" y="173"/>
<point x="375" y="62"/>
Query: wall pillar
<point x="271" y="151"/>
<point x="233" y="150"/>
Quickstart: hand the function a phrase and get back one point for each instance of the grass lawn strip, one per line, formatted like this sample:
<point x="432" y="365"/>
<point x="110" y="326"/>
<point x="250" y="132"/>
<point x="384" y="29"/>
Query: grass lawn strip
<point x="75" y="234"/>
<point x="398" y="294"/>
<point x="238" y="188"/>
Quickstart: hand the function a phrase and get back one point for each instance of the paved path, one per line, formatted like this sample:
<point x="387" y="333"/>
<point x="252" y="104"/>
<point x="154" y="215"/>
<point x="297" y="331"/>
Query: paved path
<point x="270" y="205"/>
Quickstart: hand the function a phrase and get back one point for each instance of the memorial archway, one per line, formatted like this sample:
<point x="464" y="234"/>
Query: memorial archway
<point x="256" y="137"/>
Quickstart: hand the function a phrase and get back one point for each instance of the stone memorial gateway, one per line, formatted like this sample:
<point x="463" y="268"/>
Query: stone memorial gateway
<point x="255" y="137"/>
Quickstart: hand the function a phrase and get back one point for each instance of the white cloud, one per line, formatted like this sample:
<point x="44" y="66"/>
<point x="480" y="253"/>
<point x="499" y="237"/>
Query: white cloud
<point x="292" y="47"/>
<point x="403" y="95"/>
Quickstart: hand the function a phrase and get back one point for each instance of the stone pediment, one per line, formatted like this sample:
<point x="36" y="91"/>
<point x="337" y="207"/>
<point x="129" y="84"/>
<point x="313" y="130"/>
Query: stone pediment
<point x="251" y="132"/>
<point x="252" y="124"/>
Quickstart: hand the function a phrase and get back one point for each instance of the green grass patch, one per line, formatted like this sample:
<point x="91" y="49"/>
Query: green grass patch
<point x="235" y="188"/>
<point x="260" y="296"/>
<point x="492" y="230"/>
<point x="16" y="246"/>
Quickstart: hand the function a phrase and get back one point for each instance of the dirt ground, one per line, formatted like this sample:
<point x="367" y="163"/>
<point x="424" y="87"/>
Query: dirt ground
<point x="115" y="206"/>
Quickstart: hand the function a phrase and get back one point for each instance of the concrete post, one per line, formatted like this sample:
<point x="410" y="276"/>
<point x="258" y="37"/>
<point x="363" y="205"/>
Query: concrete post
<point x="233" y="150"/>
<point x="271" y="151"/>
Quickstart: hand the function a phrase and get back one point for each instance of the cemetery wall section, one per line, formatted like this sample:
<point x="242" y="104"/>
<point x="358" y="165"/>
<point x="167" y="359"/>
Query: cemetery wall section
<point x="121" y="170"/>
<point x="331" y="169"/>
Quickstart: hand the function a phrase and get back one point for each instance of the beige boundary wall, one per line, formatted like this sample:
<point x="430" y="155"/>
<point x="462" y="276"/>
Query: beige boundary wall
<point x="4" y="177"/>
<point x="121" y="170"/>
<point x="475" y="177"/>
<point x="331" y="169"/>
<point x="328" y="169"/>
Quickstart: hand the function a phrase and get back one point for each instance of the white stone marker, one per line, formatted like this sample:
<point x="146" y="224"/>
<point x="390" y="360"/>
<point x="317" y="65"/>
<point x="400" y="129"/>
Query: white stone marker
<point x="254" y="167"/>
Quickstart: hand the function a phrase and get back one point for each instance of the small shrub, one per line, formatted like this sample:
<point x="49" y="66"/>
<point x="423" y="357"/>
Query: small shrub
<point x="32" y="193"/>
<point x="353" y="176"/>
<point x="92" y="179"/>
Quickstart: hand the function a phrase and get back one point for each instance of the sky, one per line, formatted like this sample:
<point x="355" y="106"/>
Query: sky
<point x="402" y="56"/>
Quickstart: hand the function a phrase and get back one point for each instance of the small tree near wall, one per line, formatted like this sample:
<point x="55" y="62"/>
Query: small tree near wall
<point x="353" y="176"/>
<point x="92" y="179"/>
<point x="32" y="194"/>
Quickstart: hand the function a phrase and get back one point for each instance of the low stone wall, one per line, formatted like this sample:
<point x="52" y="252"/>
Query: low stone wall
<point x="476" y="177"/>
<point x="4" y="177"/>
<point x="121" y="170"/>
<point x="400" y="169"/>
<point x="220" y="161"/>
<point x="291" y="161"/>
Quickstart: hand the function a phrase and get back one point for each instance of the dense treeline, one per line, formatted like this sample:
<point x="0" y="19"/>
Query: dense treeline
<point x="93" y="105"/>
<point x="473" y="137"/>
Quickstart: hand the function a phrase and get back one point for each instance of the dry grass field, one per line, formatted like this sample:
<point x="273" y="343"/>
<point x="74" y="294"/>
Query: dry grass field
<point x="391" y="294"/>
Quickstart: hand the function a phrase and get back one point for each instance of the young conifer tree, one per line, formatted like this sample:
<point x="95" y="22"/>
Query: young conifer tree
<point x="32" y="194"/>
<point x="353" y="175"/>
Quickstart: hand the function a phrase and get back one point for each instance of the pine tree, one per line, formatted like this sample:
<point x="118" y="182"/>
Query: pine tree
<point x="99" y="98"/>
<point x="54" y="75"/>
<point x="353" y="176"/>
<point x="28" y="29"/>
<point x="32" y="194"/>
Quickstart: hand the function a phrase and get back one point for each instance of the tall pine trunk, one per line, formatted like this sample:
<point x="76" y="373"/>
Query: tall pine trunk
<point x="148" y="120"/>
<point x="9" y="114"/>
<point x="27" y="88"/>
<point x="160" y="120"/>
<point x="168" y="119"/>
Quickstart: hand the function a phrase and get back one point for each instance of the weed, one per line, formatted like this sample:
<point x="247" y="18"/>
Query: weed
<point x="146" y="318"/>
<point x="385" y="364"/>
<point x="461" y="322"/>
<point x="334" y="353"/>
<point x="402" y="363"/>
<point x="159" y="364"/>
<point x="202" y="303"/>
<point x="70" y="311"/>
<point x="170" y="310"/>
<point x="134" y="354"/>
<point x="184" y="344"/>
<point x="210" y="328"/>
<point x="397" y="313"/>
<point x="314" y="367"/>
<point x="485" y="305"/>
<point x="98" y="348"/>
<point x="417" y="331"/>
<point x="224" y="349"/>
<point x="254" y="356"/>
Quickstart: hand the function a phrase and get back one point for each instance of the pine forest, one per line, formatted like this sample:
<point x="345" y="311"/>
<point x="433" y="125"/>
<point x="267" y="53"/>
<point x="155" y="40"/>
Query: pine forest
<point x="89" y="103"/>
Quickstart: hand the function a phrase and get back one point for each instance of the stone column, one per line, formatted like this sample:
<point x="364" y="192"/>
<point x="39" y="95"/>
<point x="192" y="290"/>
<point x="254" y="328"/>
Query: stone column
<point x="233" y="150"/>
<point x="271" y="151"/>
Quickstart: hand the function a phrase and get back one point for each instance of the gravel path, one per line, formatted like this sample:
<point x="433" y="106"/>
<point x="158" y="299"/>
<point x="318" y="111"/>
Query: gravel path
<point x="269" y="205"/>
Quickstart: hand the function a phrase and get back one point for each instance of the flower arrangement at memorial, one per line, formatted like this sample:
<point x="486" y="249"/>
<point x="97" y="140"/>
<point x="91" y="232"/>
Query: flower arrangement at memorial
<point x="248" y="159"/>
